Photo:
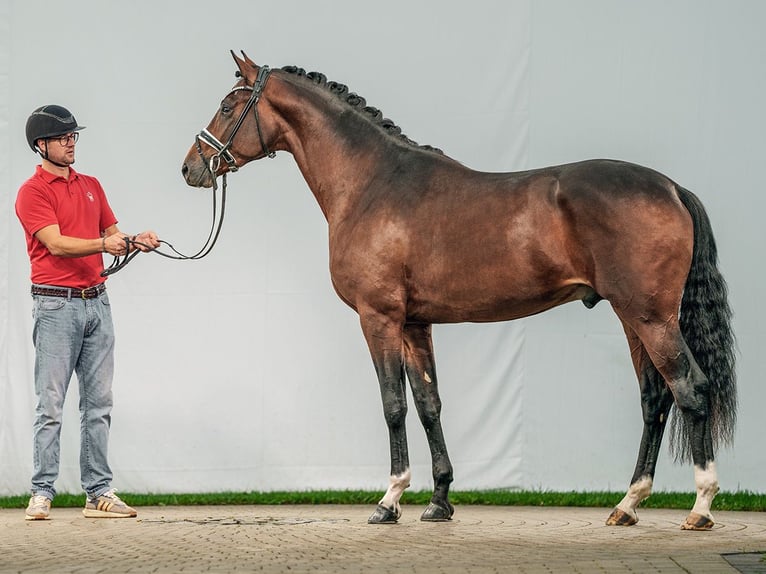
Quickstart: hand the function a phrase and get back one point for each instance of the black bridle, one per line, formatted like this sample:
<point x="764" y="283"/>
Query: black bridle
<point x="212" y="165"/>
<point x="222" y="150"/>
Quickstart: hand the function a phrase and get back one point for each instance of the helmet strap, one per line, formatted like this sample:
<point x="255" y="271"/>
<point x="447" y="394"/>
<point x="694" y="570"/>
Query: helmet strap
<point x="45" y="155"/>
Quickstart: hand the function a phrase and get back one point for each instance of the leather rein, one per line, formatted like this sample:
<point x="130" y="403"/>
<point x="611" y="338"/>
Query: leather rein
<point x="212" y="165"/>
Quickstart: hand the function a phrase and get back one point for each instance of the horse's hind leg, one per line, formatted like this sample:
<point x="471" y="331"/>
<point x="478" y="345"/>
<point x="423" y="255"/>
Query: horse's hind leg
<point x="697" y="419"/>
<point x="691" y="391"/>
<point x="656" y="401"/>
<point x="421" y="371"/>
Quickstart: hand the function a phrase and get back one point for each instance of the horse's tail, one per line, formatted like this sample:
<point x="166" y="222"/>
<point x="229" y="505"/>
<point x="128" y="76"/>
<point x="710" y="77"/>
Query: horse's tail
<point x="706" y="326"/>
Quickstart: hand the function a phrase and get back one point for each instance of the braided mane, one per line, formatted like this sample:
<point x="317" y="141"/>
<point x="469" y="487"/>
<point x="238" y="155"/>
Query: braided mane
<point x="358" y="103"/>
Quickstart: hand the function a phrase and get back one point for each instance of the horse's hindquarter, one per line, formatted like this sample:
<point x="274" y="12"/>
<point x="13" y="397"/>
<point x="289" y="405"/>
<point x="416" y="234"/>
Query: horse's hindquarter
<point x="470" y="246"/>
<point x="638" y="235"/>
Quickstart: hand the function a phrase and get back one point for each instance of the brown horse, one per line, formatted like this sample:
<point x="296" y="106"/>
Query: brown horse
<point x="416" y="238"/>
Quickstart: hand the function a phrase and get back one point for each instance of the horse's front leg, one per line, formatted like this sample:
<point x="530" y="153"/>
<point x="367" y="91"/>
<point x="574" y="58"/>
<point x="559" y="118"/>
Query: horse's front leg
<point x="421" y="372"/>
<point x="384" y="338"/>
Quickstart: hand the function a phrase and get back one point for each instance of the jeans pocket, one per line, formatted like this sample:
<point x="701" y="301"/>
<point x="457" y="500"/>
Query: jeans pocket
<point x="47" y="304"/>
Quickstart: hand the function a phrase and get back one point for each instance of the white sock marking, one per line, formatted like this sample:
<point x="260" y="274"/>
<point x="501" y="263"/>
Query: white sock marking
<point x="706" y="480"/>
<point x="638" y="491"/>
<point x="396" y="487"/>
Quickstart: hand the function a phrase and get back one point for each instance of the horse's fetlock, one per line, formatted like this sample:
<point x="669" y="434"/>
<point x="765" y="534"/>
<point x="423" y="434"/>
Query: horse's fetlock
<point x="442" y="474"/>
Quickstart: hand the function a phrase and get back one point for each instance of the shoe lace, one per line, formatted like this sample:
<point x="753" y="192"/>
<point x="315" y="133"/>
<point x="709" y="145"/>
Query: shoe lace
<point x="111" y="494"/>
<point x="38" y="499"/>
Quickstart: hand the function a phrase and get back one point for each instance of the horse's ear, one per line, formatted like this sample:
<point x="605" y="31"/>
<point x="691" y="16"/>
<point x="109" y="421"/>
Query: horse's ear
<point x="245" y="65"/>
<point x="240" y="63"/>
<point x="248" y="60"/>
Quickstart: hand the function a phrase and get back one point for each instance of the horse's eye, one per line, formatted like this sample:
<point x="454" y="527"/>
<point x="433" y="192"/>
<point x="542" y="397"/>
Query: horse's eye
<point x="225" y="109"/>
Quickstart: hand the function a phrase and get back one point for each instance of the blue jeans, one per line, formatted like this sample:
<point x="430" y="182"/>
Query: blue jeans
<point x="73" y="335"/>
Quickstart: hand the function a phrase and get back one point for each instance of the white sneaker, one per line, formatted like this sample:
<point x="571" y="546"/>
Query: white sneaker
<point x="39" y="508"/>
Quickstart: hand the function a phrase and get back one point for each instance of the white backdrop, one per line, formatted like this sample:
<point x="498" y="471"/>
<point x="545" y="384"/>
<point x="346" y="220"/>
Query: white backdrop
<point x="244" y="371"/>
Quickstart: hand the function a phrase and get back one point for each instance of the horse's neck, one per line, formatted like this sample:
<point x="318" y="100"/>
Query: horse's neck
<point x="336" y="168"/>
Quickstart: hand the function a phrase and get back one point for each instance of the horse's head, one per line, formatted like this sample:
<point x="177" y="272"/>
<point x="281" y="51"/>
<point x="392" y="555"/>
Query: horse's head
<point x="234" y="136"/>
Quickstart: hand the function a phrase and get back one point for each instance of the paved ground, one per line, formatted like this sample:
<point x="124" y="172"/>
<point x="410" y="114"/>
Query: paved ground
<point x="329" y="538"/>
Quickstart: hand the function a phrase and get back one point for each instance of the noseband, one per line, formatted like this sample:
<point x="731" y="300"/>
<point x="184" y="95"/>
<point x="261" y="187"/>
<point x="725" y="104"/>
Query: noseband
<point x="222" y="150"/>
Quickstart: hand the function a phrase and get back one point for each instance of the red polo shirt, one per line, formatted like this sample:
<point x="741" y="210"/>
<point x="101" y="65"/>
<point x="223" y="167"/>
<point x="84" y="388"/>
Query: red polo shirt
<point x="79" y="206"/>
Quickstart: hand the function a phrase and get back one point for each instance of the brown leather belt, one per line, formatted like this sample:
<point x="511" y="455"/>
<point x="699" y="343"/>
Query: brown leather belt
<point x="69" y="293"/>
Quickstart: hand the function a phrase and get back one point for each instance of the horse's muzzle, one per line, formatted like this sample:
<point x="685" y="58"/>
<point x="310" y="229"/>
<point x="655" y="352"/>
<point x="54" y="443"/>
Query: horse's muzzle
<point x="195" y="172"/>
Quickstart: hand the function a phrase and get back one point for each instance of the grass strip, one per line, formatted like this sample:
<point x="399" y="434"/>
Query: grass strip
<point x="745" y="500"/>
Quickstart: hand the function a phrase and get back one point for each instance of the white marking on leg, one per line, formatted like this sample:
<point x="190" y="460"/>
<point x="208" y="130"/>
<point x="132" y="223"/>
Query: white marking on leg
<point x="426" y="377"/>
<point x="706" y="480"/>
<point x="638" y="491"/>
<point x="396" y="487"/>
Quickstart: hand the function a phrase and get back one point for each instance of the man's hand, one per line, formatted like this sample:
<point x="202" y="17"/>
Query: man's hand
<point x="147" y="240"/>
<point x="115" y="244"/>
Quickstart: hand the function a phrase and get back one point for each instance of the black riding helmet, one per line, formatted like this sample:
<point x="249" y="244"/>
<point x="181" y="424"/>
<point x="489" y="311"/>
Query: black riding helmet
<point x="49" y="122"/>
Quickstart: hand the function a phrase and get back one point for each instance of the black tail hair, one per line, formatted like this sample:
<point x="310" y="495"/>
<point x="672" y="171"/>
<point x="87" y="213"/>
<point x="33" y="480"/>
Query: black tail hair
<point x="706" y="326"/>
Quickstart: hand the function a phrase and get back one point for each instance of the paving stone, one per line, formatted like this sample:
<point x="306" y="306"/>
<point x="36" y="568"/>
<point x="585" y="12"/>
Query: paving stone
<point x="337" y="538"/>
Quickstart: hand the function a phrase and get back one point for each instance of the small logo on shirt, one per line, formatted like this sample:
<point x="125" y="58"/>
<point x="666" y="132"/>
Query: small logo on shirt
<point x="90" y="196"/>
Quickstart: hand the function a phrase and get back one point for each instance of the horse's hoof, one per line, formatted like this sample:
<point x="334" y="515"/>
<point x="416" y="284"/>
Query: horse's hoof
<point x="621" y="518"/>
<point x="436" y="513"/>
<point x="383" y="515"/>
<point x="697" y="522"/>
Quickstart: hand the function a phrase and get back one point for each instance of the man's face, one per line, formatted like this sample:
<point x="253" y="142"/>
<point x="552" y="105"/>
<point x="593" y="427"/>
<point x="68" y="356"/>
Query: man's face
<point x="61" y="148"/>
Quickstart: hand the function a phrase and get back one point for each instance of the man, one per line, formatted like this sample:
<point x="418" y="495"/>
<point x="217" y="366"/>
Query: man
<point x="68" y="225"/>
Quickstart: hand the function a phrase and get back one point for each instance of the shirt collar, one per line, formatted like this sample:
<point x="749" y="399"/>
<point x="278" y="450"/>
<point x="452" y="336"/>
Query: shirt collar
<point x="49" y="177"/>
